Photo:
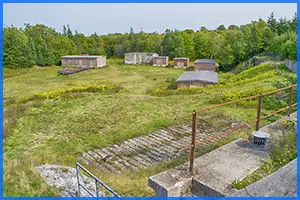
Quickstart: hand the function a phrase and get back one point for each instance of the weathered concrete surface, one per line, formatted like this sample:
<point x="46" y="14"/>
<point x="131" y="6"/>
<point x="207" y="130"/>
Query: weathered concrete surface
<point x="173" y="183"/>
<point x="214" y="171"/>
<point x="158" y="146"/>
<point x="282" y="183"/>
<point x="64" y="179"/>
<point x="276" y="128"/>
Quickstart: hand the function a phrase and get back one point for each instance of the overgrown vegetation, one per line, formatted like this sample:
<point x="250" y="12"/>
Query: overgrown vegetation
<point x="71" y="92"/>
<point x="89" y="110"/>
<point x="283" y="152"/>
<point x="54" y="119"/>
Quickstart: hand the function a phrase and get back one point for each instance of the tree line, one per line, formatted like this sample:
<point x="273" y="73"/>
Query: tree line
<point x="43" y="46"/>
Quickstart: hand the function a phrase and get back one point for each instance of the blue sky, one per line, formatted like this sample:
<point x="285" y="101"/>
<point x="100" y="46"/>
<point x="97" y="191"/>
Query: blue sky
<point x="111" y="18"/>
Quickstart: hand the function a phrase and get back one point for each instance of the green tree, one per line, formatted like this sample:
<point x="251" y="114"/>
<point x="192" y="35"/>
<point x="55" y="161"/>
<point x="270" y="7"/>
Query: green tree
<point x="272" y="23"/>
<point x="233" y="27"/>
<point x="221" y="28"/>
<point x="15" y="48"/>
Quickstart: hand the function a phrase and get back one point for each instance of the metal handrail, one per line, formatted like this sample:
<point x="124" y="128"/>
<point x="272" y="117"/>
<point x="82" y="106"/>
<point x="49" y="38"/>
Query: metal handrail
<point x="235" y="101"/>
<point x="96" y="182"/>
<point x="192" y="147"/>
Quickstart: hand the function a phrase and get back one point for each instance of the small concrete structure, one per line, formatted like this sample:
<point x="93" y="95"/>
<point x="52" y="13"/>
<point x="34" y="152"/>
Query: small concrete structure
<point x="139" y="58"/>
<point x="282" y="183"/>
<point x="84" y="61"/>
<point x="213" y="172"/>
<point x="205" y="64"/>
<point x="160" y="61"/>
<point x="197" y="78"/>
<point x="291" y="64"/>
<point x="181" y="62"/>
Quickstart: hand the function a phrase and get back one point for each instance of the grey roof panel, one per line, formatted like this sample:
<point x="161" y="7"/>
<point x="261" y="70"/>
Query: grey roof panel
<point x="140" y="53"/>
<point x="162" y="57"/>
<point x="205" y="61"/>
<point x="83" y="57"/>
<point x="181" y="58"/>
<point x="204" y="76"/>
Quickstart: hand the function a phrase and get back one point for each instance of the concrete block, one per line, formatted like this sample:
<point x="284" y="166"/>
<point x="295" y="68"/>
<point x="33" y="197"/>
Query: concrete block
<point x="213" y="172"/>
<point x="282" y="183"/>
<point x="171" y="183"/>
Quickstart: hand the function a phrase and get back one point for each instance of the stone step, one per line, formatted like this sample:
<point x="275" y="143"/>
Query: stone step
<point x="148" y="159"/>
<point x="110" y="167"/>
<point x="120" y="166"/>
<point x="154" y="156"/>
<point x="162" y="141"/>
<point x="151" y="140"/>
<point x="133" y="146"/>
<point x="141" y="160"/>
<point x="148" y="150"/>
<point x="107" y="152"/>
<point x="135" y="163"/>
<point x="101" y="153"/>
<point x="120" y="149"/>
<point x="127" y="164"/>
<point x="170" y="129"/>
<point x="163" y="135"/>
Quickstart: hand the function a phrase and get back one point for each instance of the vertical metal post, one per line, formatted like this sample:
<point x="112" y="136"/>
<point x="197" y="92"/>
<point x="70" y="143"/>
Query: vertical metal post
<point x="192" y="155"/>
<point x="291" y="100"/>
<point x="259" y="112"/>
<point x="77" y="173"/>
<point x="96" y="183"/>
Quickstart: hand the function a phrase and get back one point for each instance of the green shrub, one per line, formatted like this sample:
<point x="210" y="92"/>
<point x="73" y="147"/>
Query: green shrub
<point x="106" y="89"/>
<point x="235" y="95"/>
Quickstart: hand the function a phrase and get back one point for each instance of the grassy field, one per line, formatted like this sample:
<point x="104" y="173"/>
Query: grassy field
<point x="59" y="127"/>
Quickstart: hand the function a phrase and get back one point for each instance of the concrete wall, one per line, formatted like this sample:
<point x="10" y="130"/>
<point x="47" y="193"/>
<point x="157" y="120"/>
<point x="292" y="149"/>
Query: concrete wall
<point x="181" y="63"/>
<point x="99" y="61"/>
<point x="191" y="84"/>
<point x="205" y="66"/>
<point x="147" y="58"/>
<point x="130" y="58"/>
<point x="291" y="64"/>
<point x="256" y="61"/>
<point x="160" y="61"/>
<point x="139" y="58"/>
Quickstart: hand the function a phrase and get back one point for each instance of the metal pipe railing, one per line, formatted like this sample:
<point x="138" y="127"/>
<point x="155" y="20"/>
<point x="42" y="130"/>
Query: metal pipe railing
<point x="96" y="182"/>
<point x="192" y="147"/>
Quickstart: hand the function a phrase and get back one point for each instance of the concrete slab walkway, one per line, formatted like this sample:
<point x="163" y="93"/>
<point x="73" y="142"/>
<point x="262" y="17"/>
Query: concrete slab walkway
<point x="214" y="172"/>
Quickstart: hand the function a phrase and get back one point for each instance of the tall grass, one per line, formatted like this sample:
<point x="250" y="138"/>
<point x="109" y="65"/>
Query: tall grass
<point x="78" y="117"/>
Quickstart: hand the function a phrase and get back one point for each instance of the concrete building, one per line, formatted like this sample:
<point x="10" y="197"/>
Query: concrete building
<point x="205" y="64"/>
<point x="197" y="78"/>
<point x="84" y="61"/>
<point x="139" y="58"/>
<point x="181" y="62"/>
<point x="160" y="61"/>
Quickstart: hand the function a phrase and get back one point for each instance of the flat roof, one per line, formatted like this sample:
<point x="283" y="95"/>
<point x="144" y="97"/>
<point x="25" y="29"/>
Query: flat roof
<point x="83" y="57"/>
<point x="181" y="58"/>
<point x="203" y="76"/>
<point x="205" y="61"/>
<point x="162" y="57"/>
<point x="140" y="52"/>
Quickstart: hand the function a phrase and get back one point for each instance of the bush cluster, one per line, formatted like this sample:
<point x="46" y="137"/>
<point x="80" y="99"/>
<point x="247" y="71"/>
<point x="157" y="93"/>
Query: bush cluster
<point x="69" y="71"/>
<point x="107" y="89"/>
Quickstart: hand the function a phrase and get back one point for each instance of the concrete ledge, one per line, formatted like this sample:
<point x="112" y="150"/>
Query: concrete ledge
<point x="171" y="183"/>
<point x="281" y="183"/>
<point x="214" y="172"/>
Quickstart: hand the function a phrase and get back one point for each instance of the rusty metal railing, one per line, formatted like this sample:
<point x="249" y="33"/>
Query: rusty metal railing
<point x="192" y="147"/>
